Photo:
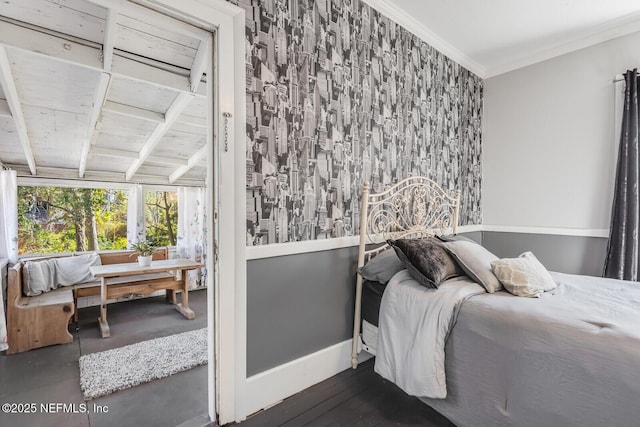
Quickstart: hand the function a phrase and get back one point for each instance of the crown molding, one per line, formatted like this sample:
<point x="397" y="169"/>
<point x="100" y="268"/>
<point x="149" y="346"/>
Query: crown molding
<point x="608" y="31"/>
<point x="414" y="26"/>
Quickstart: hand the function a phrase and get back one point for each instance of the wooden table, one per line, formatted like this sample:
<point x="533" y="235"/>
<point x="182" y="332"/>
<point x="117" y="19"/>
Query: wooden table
<point x="115" y="283"/>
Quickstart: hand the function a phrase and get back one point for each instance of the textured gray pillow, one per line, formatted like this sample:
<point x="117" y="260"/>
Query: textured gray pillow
<point x="382" y="267"/>
<point x="426" y="260"/>
<point x="38" y="277"/>
<point x="476" y="261"/>
<point x="76" y="269"/>
<point x="524" y="276"/>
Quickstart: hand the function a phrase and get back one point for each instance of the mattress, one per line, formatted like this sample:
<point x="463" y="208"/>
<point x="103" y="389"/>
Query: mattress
<point x="369" y="337"/>
<point x="371" y="298"/>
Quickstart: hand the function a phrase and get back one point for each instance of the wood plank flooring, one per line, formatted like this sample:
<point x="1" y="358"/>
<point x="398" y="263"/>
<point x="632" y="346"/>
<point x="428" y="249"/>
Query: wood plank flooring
<point x="357" y="397"/>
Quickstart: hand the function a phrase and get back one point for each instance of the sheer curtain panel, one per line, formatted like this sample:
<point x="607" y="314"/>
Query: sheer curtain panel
<point x="192" y="229"/>
<point x="136" y="231"/>
<point x="8" y="233"/>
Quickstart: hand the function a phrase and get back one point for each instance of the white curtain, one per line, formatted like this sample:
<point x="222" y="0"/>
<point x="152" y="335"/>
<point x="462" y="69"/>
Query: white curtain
<point x="192" y="229"/>
<point x="8" y="234"/>
<point x="135" y="215"/>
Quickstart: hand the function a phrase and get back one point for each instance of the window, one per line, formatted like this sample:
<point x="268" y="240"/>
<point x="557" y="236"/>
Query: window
<point x="57" y="219"/>
<point x="60" y="219"/>
<point x="161" y="217"/>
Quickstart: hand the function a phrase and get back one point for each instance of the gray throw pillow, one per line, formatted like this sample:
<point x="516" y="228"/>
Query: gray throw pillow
<point x="476" y="261"/>
<point x="38" y="277"/>
<point x="382" y="267"/>
<point x="76" y="269"/>
<point x="426" y="260"/>
<point x="524" y="276"/>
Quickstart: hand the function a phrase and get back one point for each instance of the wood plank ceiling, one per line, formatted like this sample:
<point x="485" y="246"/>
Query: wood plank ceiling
<point x="102" y="90"/>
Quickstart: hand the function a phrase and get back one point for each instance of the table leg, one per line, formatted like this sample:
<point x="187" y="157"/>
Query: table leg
<point x="183" y="308"/>
<point x="171" y="296"/>
<point x="102" y="320"/>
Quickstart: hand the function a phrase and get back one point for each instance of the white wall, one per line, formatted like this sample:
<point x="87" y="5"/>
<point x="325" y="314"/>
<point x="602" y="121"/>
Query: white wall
<point x="549" y="149"/>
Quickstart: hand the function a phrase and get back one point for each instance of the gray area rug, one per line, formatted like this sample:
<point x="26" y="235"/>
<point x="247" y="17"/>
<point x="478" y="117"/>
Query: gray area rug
<point x="108" y="371"/>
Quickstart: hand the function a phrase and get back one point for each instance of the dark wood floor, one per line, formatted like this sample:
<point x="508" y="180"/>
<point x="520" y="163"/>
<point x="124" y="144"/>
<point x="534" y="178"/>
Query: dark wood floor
<point x="352" y="398"/>
<point x="51" y="374"/>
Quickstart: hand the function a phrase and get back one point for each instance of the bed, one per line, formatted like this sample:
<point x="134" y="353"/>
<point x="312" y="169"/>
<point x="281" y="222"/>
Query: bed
<point x="569" y="357"/>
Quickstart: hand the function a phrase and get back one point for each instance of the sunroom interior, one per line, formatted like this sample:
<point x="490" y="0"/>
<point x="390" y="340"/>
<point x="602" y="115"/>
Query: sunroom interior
<point x="105" y="141"/>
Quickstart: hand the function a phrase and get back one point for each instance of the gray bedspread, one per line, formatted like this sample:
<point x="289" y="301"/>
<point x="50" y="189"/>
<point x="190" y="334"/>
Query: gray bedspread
<point x="568" y="358"/>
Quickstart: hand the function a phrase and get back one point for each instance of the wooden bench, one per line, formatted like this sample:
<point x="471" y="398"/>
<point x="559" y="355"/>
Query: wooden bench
<point x="39" y="321"/>
<point x="42" y="320"/>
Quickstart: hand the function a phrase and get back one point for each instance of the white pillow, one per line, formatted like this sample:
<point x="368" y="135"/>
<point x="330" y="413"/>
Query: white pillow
<point x="38" y="277"/>
<point x="524" y="276"/>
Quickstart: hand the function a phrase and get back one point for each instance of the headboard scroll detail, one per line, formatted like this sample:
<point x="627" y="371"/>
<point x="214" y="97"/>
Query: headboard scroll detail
<point x="415" y="207"/>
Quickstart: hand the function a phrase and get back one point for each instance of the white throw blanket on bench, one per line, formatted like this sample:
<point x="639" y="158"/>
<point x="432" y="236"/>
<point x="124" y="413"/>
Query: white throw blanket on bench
<point x="47" y="275"/>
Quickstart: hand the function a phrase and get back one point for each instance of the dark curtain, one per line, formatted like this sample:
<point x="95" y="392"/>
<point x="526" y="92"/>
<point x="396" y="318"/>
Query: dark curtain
<point x="623" y="251"/>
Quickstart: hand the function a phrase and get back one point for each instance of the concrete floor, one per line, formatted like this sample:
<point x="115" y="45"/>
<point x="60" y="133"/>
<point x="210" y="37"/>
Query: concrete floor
<point x="51" y="374"/>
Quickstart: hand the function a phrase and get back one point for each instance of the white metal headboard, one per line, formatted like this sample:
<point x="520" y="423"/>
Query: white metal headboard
<point x="413" y="208"/>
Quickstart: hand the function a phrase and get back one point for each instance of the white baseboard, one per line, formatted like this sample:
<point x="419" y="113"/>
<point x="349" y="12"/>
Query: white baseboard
<point x="267" y="388"/>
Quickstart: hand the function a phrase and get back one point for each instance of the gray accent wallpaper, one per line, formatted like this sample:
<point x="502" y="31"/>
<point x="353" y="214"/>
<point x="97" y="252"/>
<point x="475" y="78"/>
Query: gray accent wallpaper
<point x="338" y="94"/>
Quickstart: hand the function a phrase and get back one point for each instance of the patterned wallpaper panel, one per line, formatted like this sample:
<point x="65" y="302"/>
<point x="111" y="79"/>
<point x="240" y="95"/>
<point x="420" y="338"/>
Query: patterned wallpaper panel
<point x="338" y="94"/>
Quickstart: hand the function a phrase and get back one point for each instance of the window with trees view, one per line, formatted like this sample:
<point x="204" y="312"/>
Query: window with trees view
<point x="161" y="217"/>
<point x="57" y="219"/>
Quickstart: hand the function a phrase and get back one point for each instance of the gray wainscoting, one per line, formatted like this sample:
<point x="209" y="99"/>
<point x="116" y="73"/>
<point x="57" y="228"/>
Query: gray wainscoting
<point x="566" y="254"/>
<point x="474" y="235"/>
<point x="297" y="305"/>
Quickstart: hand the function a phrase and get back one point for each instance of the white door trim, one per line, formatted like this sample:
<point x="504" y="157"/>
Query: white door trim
<point x="226" y="165"/>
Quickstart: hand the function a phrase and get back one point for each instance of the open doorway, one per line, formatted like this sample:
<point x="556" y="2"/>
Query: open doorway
<point x="160" y="98"/>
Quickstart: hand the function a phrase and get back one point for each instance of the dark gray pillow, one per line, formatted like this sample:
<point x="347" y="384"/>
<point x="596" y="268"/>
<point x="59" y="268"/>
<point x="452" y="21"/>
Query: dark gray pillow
<point x="476" y="261"/>
<point x="382" y="267"/>
<point x="426" y="260"/>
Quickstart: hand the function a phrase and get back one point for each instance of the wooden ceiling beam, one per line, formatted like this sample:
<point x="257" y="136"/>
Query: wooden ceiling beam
<point x="172" y="114"/>
<point x="193" y="161"/>
<point x="99" y="99"/>
<point x="13" y="101"/>
<point x="52" y="175"/>
<point x="109" y="39"/>
<point x="156" y="19"/>
<point x="200" y="63"/>
<point x="73" y="52"/>
<point x="100" y="96"/>
<point x="4" y="108"/>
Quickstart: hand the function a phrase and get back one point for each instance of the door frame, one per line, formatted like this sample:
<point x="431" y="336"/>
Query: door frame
<point x="226" y="181"/>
